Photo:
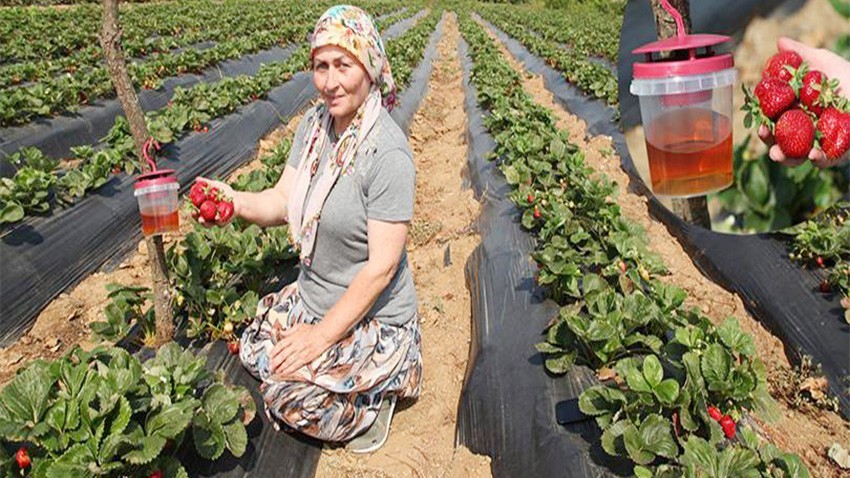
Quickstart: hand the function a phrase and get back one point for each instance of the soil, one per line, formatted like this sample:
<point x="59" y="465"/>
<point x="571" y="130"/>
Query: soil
<point x="421" y="441"/>
<point x="807" y="434"/>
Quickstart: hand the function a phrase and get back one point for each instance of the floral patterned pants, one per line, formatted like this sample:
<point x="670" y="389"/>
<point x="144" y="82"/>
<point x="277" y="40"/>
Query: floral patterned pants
<point x="338" y="395"/>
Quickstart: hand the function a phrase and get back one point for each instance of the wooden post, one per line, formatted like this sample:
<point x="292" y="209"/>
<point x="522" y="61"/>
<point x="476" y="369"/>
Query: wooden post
<point x="110" y="42"/>
<point x="692" y="210"/>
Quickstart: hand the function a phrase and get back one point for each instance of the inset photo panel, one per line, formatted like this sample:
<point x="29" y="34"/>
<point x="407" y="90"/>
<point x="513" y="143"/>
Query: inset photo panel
<point x="735" y="112"/>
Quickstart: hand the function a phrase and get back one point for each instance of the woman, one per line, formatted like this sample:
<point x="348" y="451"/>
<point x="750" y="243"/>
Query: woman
<point x="336" y="348"/>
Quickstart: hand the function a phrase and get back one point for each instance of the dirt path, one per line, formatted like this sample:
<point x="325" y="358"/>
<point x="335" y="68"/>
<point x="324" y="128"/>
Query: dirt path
<point x="65" y="321"/>
<point x="808" y="435"/>
<point x="421" y="442"/>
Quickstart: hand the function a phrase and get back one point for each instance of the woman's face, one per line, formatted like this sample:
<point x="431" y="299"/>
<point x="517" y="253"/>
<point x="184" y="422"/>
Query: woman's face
<point x="341" y="80"/>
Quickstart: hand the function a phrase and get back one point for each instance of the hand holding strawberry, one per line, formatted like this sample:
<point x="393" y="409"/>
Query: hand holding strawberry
<point x="212" y="202"/>
<point x="799" y="106"/>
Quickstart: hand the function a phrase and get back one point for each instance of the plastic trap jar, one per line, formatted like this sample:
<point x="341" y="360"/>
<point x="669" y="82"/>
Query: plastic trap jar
<point x="686" y="109"/>
<point x="157" y="193"/>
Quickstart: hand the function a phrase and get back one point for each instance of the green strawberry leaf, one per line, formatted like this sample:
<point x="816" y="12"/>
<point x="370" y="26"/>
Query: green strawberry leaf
<point x="716" y="367"/>
<point x="733" y="337"/>
<point x="612" y="438"/>
<point x="667" y="391"/>
<point x="146" y="450"/>
<point x="208" y="437"/>
<point x="653" y="373"/>
<point x="74" y="463"/>
<point x="235" y="437"/>
<point x="220" y="404"/>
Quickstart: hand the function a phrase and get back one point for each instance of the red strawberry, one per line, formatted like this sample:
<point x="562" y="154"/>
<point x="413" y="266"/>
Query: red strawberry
<point x="197" y="197"/>
<point x="530" y="198"/>
<point x="795" y="133"/>
<point x="233" y="347"/>
<point x="834" y="127"/>
<point x="23" y="458"/>
<point x="208" y="210"/>
<point x="156" y="474"/>
<point x="728" y="426"/>
<point x="225" y="211"/>
<point x="199" y="186"/>
<point x="536" y="213"/>
<point x="813" y="83"/>
<point x="715" y="413"/>
<point x="819" y="261"/>
<point x="623" y="267"/>
<point x="213" y="194"/>
<point x="775" y="66"/>
<point x="825" y="287"/>
<point x="775" y="97"/>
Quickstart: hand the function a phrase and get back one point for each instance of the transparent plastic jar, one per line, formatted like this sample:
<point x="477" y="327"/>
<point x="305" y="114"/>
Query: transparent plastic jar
<point x="157" y="194"/>
<point x="686" y="110"/>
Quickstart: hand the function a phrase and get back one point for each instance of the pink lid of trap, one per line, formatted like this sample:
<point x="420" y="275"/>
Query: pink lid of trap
<point x="155" y="178"/>
<point x="697" y="62"/>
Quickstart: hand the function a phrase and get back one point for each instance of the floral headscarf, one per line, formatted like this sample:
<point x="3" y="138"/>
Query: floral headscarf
<point x="352" y="29"/>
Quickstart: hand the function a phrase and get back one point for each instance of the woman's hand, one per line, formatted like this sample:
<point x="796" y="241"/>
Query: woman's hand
<point x="298" y="346"/>
<point x="228" y="192"/>
<point x="833" y="66"/>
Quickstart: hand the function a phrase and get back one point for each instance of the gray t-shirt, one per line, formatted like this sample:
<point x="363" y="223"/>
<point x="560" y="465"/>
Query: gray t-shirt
<point x="379" y="186"/>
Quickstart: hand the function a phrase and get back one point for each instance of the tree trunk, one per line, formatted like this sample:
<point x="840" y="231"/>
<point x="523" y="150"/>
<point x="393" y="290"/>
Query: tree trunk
<point x="692" y="210"/>
<point x="664" y="23"/>
<point x="110" y="42"/>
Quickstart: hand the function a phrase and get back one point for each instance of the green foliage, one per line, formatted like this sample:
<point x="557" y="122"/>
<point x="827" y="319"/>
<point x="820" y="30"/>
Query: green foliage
<point x="768" y="196"/>
<point x="103" y="413"/>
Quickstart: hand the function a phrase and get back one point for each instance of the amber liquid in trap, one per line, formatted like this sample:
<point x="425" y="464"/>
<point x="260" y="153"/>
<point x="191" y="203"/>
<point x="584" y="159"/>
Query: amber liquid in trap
<point x="157" y="223"/>
<point x="690" y="152"/>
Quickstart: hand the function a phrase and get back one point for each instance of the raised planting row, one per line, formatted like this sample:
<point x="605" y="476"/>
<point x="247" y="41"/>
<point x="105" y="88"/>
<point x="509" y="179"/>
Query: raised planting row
<point x="104" y="413"/>
<point x="70" y="91"/>
<point x="199" y="22"/>
<point x="590" y="77"/>
<point x="39" y="183"/>
<point x="48" y="33"/>
<point x="217" y="272"/>
<point x="583" y="27"/>
<point x="680" y="384"/>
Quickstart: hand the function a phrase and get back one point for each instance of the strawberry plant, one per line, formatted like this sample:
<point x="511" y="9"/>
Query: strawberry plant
<point x="29" y="190"/>
<point x="670" y="361"/>
<point x="104" y="413"/>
